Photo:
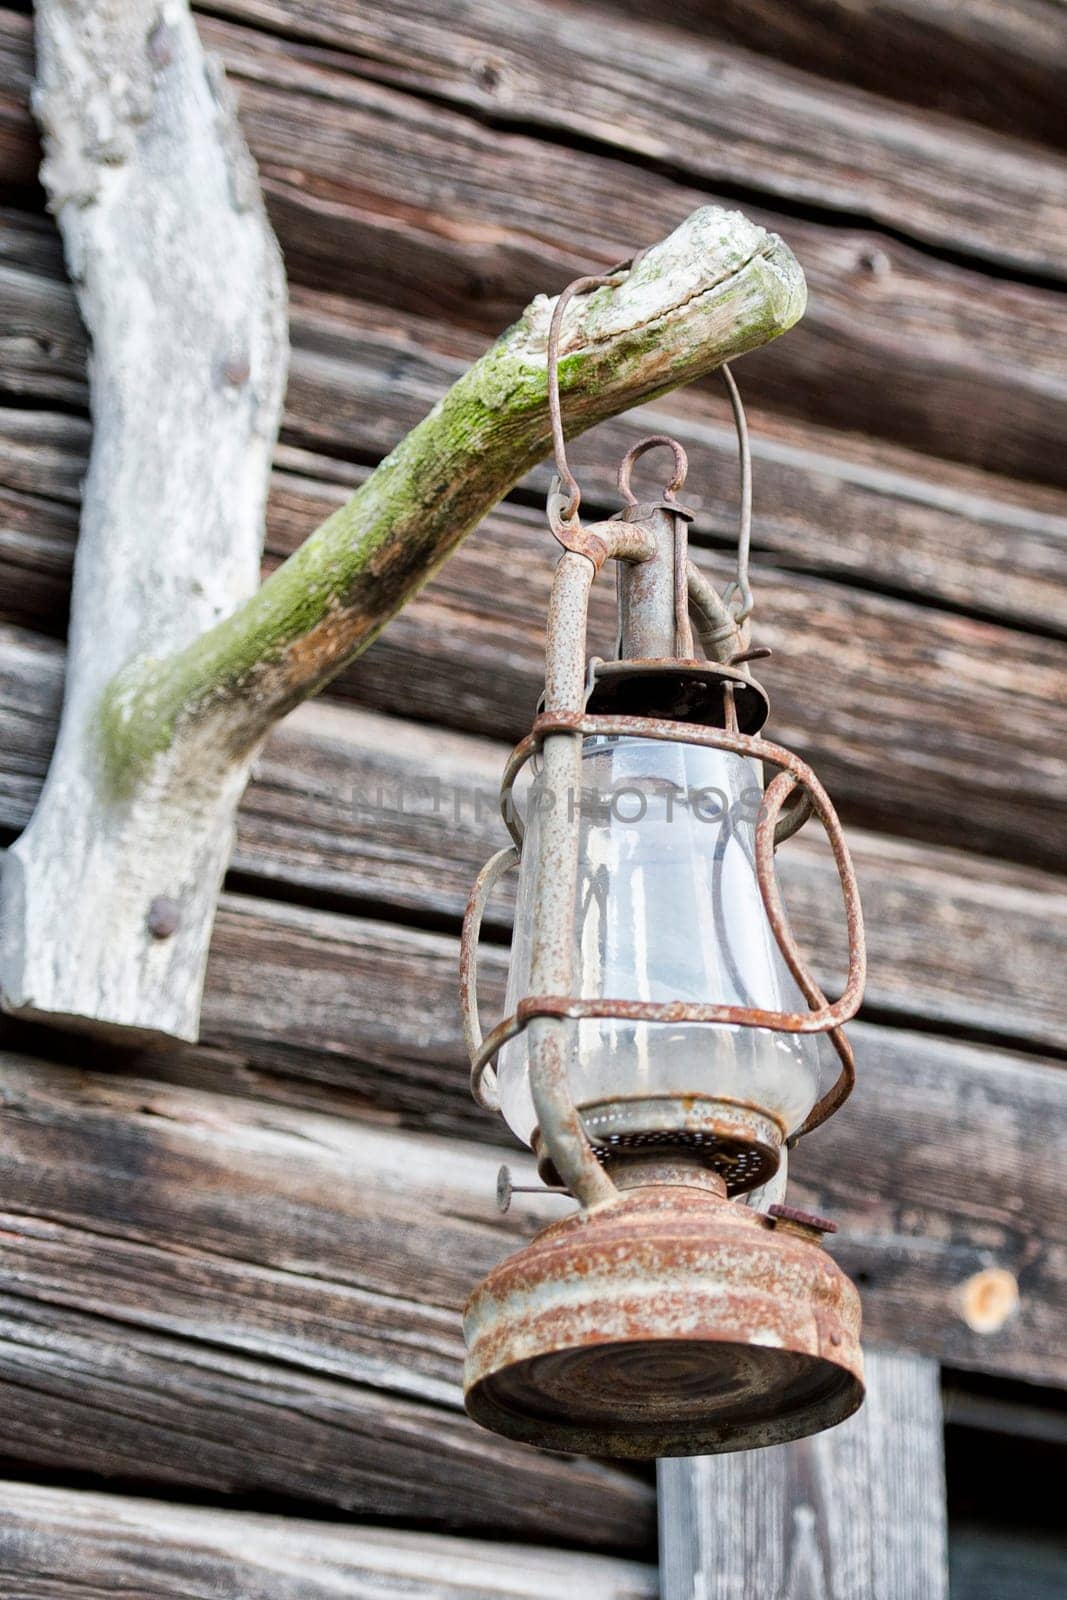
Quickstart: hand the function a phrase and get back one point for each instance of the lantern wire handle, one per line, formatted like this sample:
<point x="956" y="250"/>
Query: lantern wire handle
<point x="737" y="595"/>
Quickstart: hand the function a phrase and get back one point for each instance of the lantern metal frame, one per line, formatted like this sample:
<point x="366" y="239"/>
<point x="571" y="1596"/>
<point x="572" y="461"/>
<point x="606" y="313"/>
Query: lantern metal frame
<point x="659" y="1318"/>
<point x="561" y="728"/>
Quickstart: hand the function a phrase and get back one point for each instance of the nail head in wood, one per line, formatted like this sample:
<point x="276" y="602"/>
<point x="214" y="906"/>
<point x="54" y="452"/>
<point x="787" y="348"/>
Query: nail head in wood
<point x="164" y="915"/>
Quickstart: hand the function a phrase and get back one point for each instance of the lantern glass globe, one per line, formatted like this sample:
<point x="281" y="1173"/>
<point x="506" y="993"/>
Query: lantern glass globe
<point x="667" y="907"/>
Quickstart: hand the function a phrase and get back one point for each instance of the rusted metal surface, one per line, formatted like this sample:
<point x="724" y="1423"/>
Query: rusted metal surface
<point x="654" y="441"/>
<point x="802" y="1219"/>
<point x="672" y="1322"/>
<point x="678" y="690"/>
<point x="483" y="1083"/>
<point x="648" y="613"/>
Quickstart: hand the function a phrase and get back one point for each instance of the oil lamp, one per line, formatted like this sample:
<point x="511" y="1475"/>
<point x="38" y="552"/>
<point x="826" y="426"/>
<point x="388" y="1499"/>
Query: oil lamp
<point x="664" y="1042"/>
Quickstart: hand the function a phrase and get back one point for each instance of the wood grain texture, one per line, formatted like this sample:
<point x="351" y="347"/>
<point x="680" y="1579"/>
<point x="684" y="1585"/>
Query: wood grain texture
<point x="520" y="210"/>
<point x="198" y="1290"/>
<point x="915" y="731"/>
<point x="715" y="287"/>
<point x="57" y="1544"/>
<point x="1002" y="65"/>
<point x="374" y="812"/>
<point x="825" y="501"/>
<point x="895" y="343"/>
<point x="920" y="722"/>
<point x="856" y="1513"/>
<point x="925" y="1199"/>
<point x="733" y="116"/>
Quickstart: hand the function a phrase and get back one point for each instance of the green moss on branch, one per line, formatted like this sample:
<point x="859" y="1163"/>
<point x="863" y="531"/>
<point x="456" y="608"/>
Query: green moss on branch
<point x="717" y="287"/>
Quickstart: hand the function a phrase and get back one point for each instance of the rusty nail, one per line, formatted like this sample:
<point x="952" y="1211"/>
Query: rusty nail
<point x="164" y="915"/>
<point x="802" y="1219"/>
<point x="505" y="1189"/>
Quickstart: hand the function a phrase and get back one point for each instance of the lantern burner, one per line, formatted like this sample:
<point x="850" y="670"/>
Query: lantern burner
<point x="741" y="1143"/>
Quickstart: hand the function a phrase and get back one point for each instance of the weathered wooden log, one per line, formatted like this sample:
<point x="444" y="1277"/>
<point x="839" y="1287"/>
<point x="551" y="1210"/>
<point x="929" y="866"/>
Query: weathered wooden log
<point x="877" y="306"/>
<point x="72" y="1545"/>
<point x="826" y="503"/>
<point x="360" y="811"/>
<point x="913" y="717"/>
<point x="953" y="1233"/>
<point x="895" y="343"/>
<point x="247" y="1298"/>
<point x="1001" y="66"/>
<point x="181" y="286"/>
<point x="858" y="1511"/>
<point x="762" y="125"/>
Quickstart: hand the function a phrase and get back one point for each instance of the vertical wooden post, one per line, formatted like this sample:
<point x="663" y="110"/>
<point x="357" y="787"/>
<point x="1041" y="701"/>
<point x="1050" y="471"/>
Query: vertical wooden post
<point x="856" y="1513"/>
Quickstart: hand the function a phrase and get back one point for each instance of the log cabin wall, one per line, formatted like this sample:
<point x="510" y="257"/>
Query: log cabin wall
<point x="231" y="1275"/>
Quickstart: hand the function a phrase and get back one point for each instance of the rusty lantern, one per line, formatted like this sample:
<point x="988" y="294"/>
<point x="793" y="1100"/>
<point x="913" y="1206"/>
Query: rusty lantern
<point x="664" y="1042"/>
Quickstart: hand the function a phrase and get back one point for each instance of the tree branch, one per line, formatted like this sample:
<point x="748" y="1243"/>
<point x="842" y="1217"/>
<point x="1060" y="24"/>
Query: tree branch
<point x="109" y="896"/>
<point x="718" y="286"/>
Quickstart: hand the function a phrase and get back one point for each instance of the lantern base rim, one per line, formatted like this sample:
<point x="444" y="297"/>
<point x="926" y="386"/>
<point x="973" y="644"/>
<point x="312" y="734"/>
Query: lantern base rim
<point x="671" y="1322"/>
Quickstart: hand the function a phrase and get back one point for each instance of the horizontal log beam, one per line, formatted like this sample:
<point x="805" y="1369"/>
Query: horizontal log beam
<point x="926" y="1194"/>
<point x="920" y="723"/>
<point x="243" y="1298"/>
<point x="84" y="1546"/>
<point x="827" y="502"/>
<point x="343" y="1248"/>
<point x="1002" y="66"/>
<point x="913" y="716"/>
<point x="558" y="68"/>
<point x="895" y="344"/>
<point x="371" y="811"/>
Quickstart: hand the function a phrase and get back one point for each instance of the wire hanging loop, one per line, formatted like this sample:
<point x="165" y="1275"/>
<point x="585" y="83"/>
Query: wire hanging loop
<point x="636" y="451"/>
<point x="568" y="510"/>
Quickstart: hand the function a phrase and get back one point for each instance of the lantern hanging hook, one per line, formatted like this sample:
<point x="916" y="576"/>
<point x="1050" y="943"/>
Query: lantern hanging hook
<point x="654" y="440"/>
<point x="559" y="444"/>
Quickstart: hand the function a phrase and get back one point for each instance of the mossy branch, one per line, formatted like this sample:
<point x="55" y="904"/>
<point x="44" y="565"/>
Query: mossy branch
<point x="716" y="287"/>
